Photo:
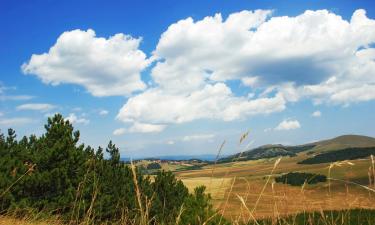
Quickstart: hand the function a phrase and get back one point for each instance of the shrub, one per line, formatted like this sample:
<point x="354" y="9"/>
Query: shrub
<point x="298" y="179"/>
<point x="153" y="166"/>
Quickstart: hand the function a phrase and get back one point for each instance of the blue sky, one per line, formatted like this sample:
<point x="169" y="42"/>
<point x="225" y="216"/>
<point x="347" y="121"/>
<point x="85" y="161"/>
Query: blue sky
<point x="167" y="78"/>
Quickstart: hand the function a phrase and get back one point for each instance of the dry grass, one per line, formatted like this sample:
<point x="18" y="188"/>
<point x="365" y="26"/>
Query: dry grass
<point x="216" y="191"/>
<point x="9" y="220"/>
<point x="275" y="200"/>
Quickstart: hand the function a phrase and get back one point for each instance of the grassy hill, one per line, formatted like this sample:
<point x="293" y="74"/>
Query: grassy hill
<point x="343" y="142"/>
<point x="270" y="151"/>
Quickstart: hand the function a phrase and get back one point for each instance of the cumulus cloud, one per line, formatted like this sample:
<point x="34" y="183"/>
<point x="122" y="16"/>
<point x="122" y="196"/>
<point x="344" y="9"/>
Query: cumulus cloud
<point x="212" y="102"/>
<point x="288" y="124"/>
<point x="73" y="118"/>
<point x="316" y="114"/>
<point x="316" y="55"/>
<point x="261" y="50"/>
<point x="103" y="66"/>
<point x="42" y="107"/>
<point x="146" y="128"/>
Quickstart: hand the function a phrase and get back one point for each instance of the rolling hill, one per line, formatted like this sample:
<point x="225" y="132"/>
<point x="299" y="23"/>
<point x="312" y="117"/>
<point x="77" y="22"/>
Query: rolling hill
<point x="343" y="142"/>
<point x="334" y="144"/>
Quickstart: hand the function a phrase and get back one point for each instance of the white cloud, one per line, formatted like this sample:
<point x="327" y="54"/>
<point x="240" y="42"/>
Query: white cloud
<point x="352" y="94"/>
<point x="357" y="84"/>
<point x="103" y="66"/>
<point x="140" y="128"/>
<point x="205" y="49"/>
<point x="146" y="128"/>
<point x="212" y="102"/>
<point x="103" y="112"/>
<point x="316" y="55"/>
<point x="17" y="121"/>
<point x="170" y="142"/>
<point x="43" y="107"/>
<point x="304" y="51"/>
<point x="288" y="124"/>
<point x="119" y="131"/>
<point x="198" y="137"/>
<point x="316" y="114"/>
<point x="73" y="118"/>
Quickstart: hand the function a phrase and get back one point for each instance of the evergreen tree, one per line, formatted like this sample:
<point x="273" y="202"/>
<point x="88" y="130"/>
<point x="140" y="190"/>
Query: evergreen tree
<point x="53" y="173"/>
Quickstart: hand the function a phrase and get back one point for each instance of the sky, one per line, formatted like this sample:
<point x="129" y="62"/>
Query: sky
<point x="180" y="77"/>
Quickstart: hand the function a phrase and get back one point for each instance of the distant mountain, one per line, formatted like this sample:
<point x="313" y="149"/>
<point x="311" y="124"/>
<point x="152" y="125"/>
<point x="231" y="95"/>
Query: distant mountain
<point x="203" y="157"/>
<point x="270" y="151"/>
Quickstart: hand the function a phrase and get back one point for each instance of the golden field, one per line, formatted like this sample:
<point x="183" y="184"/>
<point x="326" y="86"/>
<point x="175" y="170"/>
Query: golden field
<point x="253" y="182"/>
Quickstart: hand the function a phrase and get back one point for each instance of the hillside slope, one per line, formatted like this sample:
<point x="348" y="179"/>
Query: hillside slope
<point x="270" y="151"/>
<point x="342" y="142"/>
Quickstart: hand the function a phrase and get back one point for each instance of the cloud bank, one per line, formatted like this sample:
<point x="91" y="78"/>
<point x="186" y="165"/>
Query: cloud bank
<point x="316" y="55"/>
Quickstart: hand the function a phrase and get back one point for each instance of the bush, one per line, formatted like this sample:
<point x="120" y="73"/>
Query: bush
<point x="153" y="166"/>
<point x="298" y="179"/>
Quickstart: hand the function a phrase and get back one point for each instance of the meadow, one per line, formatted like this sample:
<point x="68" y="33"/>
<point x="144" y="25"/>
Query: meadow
<point x="246" y="190"/>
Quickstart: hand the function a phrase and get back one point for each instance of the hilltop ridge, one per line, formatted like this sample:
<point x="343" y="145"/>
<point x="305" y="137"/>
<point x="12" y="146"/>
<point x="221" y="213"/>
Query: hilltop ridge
<point x="274" y="150"/>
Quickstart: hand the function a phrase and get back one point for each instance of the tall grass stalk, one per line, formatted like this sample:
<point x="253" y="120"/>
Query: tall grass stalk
<point x="214" y="166"/>
<point x="29" y="170"/>
<point x="143" y="219"/>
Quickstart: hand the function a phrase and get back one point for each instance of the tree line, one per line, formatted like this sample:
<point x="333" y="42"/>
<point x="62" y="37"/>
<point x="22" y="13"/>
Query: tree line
<point x="56" y="174"/>
<point x="340" y="155"/>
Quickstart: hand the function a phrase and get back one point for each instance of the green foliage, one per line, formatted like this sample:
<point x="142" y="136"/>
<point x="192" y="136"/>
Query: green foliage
<point x="153" y="166"/>
<point x="54" y="173"/>
<point x="198" y="209"/>
<point x="170" y="194"/>
<point x="340" y="155"/>
<point x="267" y="151"/>
<point x="298" y="179"/>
